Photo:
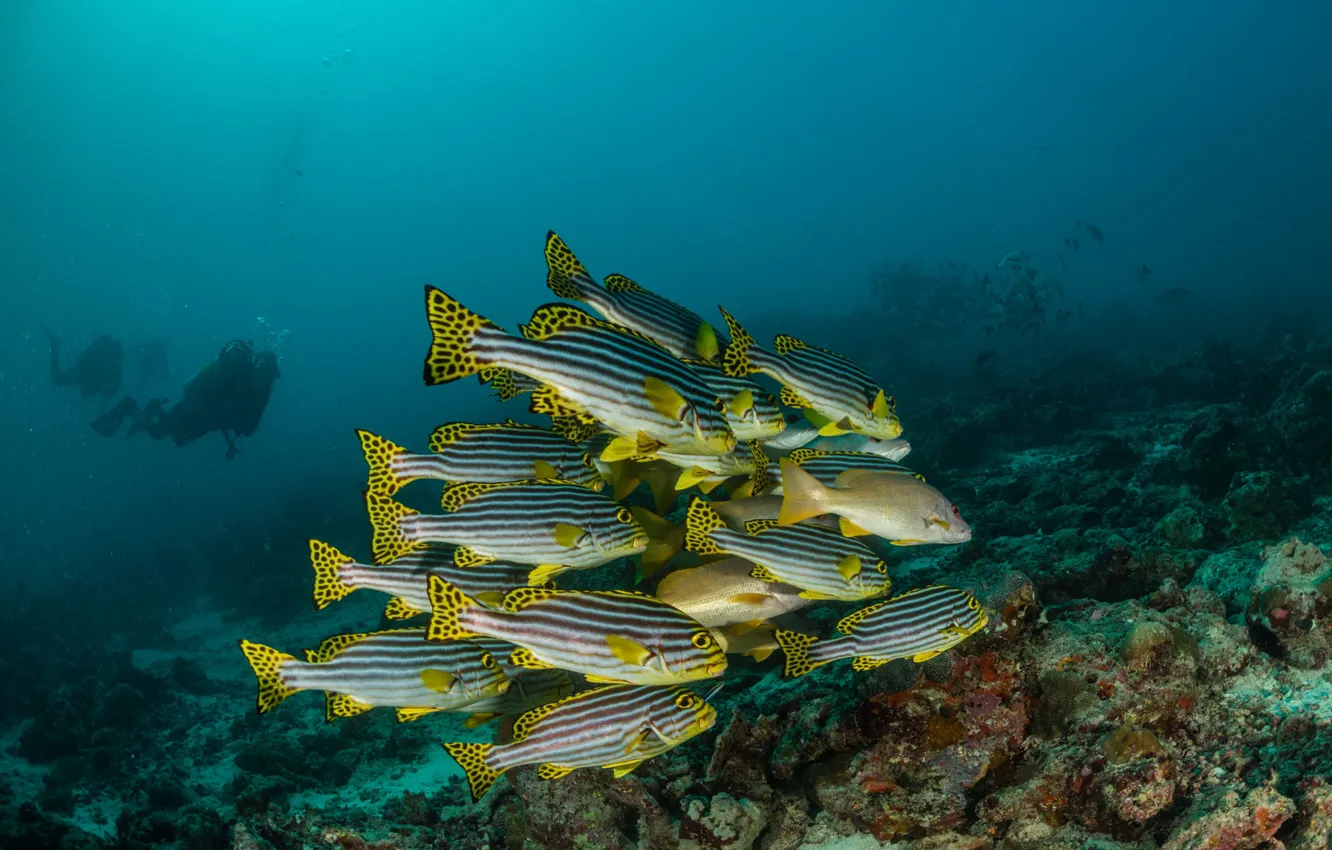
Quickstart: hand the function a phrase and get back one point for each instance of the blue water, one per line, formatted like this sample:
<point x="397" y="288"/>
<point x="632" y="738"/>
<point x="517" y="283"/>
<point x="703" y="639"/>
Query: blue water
<point x="177" y="170"/>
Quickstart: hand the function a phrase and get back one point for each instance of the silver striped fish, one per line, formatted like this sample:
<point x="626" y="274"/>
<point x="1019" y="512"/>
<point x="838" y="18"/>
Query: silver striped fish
<point x="706" y="472"/>
<point x="528" y="689"/>
<point x="589" y="369"/>
<point x="835" y="393"/>
<point x="805" y="434"/>
<point x="752" y="412"/>
<point x="918" y="625"/>
<point x="821" y="562"/>
<point x="827" y="467"/>
<point x="397" y="668"/>
<point x="485" y="454"/>
<point x="616" y="727"/>
<point x="677" y="329"/>
<point x="723" y="593"/>
<point x="404" y="578"/>
<point x="615" y="636"/>
<point x="552" y="525"/>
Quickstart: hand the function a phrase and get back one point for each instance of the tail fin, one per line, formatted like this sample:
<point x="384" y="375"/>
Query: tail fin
<point x="736" y="361"/>
<point x="664" y="540"/>
<point x="803" y="496"/>
<point x="328" y="584"/>
<point x="387" y="541"/>
<point x="447" y="604"/>
<point x="453" y="330"/>
<point x="565" y="275"/>
<point x="109" y="422"/>
<point x="379" y="455"/>
<point x="795" y="647"/>
<point x="700" y="521"/>
<point x="472" y="759"/>
<point x="267" y="665"/>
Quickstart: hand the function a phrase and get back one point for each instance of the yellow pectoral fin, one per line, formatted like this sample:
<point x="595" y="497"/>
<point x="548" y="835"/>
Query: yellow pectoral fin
<point x="906" y="542"/>
<point x="629" y="651"/>
<point x="620" y="448"/>
<point x="849" y="567"/>
<point x="833" y="429"/>
<point x="748" y="626"/>
<point x="568" y="535"/>
<point x="942" y="523"/>
<point x="637" y="740"/>
<point x="850" y="529"/>
<point x="438" y="681"/>
<point x="604" y="680"/>
<point x="647" y="446"/>
<point x="545" y="470"/>
<point x="705" y="342"/>
<point x="544" y="573"/>
<point x="749" y="599"/>
<point x="760" y="654"/>
<point x="709" y="484"/>
<point x="664" y="398"/>
<point x="690" y="477"/>
<point x="814" y="594"/>
<point x="742" y="403"/>
<point x="881" y="408"/>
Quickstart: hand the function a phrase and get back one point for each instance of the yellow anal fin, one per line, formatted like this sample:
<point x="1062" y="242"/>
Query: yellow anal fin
<point x="400" y="609"/>
<point x="523" y="657"/>
<point x="762" y="574"/>
<point x="924" y="656"/>
<point x="850" y="529"/>
<point x="407" y="715"/>
<point x="625" y="769"/>
<point x="565" y="275"/>
<point x="605" y="680"/>
<point x="342" y="705"/>
<point x="906" y="542"/>
<point x="864" y="662"/>
<point x="754" y="526"/>
<point x="553" y="771"/>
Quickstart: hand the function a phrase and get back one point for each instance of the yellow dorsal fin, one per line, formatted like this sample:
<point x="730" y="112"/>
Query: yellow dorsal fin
<point x="850" y="529"/>
<point x="784" y="343"/>
<point x="799" y="456"/>
<point x="526" y="659"/>
<point x="457" y="495"/>
<point x="550" y="319"/>
<point x="761" y="573"/>
<point x="848" y="624"/>
<point x="629" y="651"/>
<point x="400" y="609"/>
<point x="736" y="360"/>
<point x="547" y="401"/>
<point x="618" y="283"/>
<point x="522" y="597"/>
<point x="849" y="567"/>
<point x="331" y="646"/>
<point x="754" y="526"/>
<point x="791" y="398"/>
<point x="565" y="275"/>
<point x="451" y="432"/>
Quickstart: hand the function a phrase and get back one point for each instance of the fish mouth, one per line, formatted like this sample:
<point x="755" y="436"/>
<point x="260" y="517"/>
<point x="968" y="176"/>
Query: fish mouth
<point x="640" y="542"/>
<point x="716" y="668"/>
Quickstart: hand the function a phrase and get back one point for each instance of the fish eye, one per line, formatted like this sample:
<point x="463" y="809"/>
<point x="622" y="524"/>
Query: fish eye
<point x="972" y="604"/>
<point x="882" y="567"/>
<point x="702" y="640"/>
<point x="624" y="515"/>
<point x="721" y="406"/>
<point x="957" y="513"/>
<point x="686" y="701"/>
<point x="488" y="661"/>
<point x="587" y="461"/>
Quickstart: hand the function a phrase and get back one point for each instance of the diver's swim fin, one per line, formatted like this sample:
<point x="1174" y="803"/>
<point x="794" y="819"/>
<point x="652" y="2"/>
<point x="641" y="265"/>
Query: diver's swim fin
<point x="109" y="422"/>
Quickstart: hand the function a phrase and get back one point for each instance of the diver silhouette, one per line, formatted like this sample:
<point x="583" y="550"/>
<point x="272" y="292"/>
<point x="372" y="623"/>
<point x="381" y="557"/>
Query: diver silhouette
<point x="229" y="395"/>
<point x="96" y="371"/>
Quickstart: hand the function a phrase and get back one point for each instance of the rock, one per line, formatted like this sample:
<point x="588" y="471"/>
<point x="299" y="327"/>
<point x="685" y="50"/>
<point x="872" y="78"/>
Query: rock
<point x="1291" y="600"/>
<point x="1232" y="817"/>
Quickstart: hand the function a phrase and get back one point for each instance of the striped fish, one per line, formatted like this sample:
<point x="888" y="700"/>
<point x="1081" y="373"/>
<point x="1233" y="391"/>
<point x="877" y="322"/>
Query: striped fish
<point x="397" y="668"/>
<point x="917" y="625"/>
<point x="677" y="329"/>
<point x="404" y="578"/>
<point x="752" y="412"/>
<point x="724" y="593"/>
<point x="486" y="454"/>
<point x="528" y="689"/>
<point x="706" y="472"/>
<point x="608" y="635"/>
<point x="827" y="467"/>
<point x="553" y="525"/>
<point x="819" y="561"/>
<point x="739" y="513"/>
<point x="589" y="369"/>
<point x="616" y="727"/>
<point x="836" y="394"/>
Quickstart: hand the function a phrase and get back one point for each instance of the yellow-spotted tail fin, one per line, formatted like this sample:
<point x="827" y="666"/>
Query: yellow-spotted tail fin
<point x="795" y="647"/>
<point x="471" y="757"/>
<point x="701" y="519"/>
<point x="328" y="584"/>
<point x="267" y="665"/>
<point x="664" y="540"/>
<point x="736" y="361"/>
<point x="387" y="540"/>
<point x="379" y="456"/>
<point x="447" y="603"/>
<point x="803" y="496"/>
<point x="453" y="332"/>
<point x="565" y="275"/>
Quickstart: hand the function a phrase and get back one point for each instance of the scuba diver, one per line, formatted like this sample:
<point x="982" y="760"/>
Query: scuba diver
<point x="96" y="371"/>
<point x="228" y="395"/>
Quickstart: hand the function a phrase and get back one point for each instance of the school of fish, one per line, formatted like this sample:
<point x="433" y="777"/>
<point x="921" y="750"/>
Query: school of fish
<point x="645" y="394"/>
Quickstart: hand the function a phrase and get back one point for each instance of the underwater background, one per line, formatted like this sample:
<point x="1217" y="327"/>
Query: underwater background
<point x="1084" y="246"/>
